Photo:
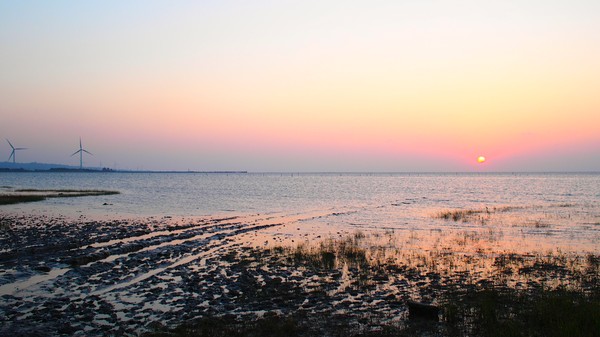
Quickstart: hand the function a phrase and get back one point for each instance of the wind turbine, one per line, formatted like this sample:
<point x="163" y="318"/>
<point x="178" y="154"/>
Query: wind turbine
<point x="81" y="151"/>
<point x="14" y="149"/>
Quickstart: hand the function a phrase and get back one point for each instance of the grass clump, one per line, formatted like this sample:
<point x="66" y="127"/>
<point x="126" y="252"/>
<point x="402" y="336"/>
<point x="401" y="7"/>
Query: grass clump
<point x="457" y="215"/>
<point x="467" y="214"/>
<point x="273" y="325"/>
<point x="332" y="253"/>
<point x="506" y="312"/>
<point x="17" y="199"/>
<point x="71" y="191"/>
<point x="489" y="312"/>
<point x="32" y="195"/>
<point x="227" y="326"/>
<point x="322" y="257"/>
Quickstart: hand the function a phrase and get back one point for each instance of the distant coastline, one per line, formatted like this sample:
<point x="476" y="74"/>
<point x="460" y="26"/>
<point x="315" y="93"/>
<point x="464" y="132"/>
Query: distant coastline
<point x="108" y="170"/>
<point x="52" y="168"/>
<point x="56" y="169"/>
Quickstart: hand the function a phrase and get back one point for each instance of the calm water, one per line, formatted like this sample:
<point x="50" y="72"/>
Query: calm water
<point x="562" y="208"/>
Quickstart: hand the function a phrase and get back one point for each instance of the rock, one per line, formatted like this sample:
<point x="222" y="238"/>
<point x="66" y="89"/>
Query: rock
<point x="275" y="281"/>
<point x="155" y="326"/>
<point x="43" y="268"/>
<point x="66" y="329"/>
<point x="418" y="310"/>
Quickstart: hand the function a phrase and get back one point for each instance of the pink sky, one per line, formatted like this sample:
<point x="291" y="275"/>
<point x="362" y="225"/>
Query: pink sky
<point x="304" y="86"/>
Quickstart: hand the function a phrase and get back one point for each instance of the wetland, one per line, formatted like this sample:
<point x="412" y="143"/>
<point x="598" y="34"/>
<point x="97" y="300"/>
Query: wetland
<point x="352" y="268"/>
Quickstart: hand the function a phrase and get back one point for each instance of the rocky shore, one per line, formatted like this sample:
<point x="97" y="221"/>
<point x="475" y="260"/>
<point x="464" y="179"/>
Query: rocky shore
<point x="79" y="277"/>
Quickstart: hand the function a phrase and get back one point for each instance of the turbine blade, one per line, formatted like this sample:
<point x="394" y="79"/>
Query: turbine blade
<point x="11" y="155"/>
<point x="9" y="143"/>
<point x="76" y="152"/>
<point x="86" y="151"/>
<point x="20" y="148"/>
<point x="80" y="147"/>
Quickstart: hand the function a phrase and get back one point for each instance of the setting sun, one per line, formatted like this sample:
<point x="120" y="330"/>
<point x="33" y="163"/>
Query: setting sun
<point x="480" y="159"/>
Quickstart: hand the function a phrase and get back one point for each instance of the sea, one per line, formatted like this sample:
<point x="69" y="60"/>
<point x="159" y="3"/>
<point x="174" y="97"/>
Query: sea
<point x="173" y="247"/>
<point x="522" y="210"/>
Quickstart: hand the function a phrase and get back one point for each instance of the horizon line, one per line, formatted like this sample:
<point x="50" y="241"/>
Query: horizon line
<point x="99" y="170"/>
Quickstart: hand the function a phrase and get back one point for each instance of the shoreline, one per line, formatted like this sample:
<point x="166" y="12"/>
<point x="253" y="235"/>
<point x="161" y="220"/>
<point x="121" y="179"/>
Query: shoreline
<point x="91" y="277"/>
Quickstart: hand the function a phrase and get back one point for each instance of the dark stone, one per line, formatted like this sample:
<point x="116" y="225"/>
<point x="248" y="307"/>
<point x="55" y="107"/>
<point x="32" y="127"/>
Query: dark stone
<point x="66" y="329"/>
<point x="43" y="268"/>
<point x="418" y="310"/>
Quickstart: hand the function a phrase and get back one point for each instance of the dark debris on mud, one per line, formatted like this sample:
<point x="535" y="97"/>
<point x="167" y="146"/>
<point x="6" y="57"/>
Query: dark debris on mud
<point x="198" y="279"/>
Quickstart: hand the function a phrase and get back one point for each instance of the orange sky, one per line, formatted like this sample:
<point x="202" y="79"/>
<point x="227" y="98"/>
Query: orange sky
<point x="304" y="86"/>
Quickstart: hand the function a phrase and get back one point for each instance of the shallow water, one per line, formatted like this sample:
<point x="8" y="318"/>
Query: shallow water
<point x="546" y="211"/>
<point x="201" y="194"/>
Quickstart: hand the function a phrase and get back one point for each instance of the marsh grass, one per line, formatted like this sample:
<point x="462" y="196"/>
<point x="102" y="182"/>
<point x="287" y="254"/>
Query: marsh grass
<point x="369" y="255"/>
<point x="273" y="325"/>
<point x="478" y="313"/>
<point x="4" y="224"/>
<point x="329" y="253"/>
<point x="17" y="199"/>
<point x="226" y="326"/>
<point x="467" y="311"/>
<point x="492" y="312"/>
<point x="540" y="224"/>
<point x="480" y="305"/>
<point x="71" y="191"/>
<point x="32" y="195"/>
<point x="469" y="214"/>
<point x="593" y="262"/>
<point x="534" y="223"/>
<point x="458" y="215"/>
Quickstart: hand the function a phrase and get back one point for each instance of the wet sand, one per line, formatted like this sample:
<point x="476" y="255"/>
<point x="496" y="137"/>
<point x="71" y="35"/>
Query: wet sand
<point x="85" y="277"/>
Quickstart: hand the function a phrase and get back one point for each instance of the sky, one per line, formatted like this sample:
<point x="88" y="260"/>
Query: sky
<point x="374" y="86"/>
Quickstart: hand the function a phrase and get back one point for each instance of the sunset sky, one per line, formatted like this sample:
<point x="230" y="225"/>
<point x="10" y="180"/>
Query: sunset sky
<point x="303" y="85"/>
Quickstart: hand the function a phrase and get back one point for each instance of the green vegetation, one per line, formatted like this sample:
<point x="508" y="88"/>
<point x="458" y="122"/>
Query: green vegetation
<point x="467" y="214"/>
<point x="330" y="253"/>
<point x="69" y="191"/>
<point x="32" y="195"/>
<point x="228" y="326"/>
<point x="487" y="312"/>
<point x="17" y="199"/>
<point x="469" y="307"/>
<point x="510" y="312"/>
<point x="4" y="224"/>
<point x="457" y="215"/>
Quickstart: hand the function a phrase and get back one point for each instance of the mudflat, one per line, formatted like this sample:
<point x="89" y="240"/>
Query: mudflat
<point x="66" y="276"/>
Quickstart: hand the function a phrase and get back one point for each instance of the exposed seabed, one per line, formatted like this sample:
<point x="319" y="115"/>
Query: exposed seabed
<point x="264" y="272"/>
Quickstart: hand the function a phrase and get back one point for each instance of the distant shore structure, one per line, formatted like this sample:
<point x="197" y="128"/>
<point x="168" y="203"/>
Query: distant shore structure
<point x="7" y="166"/>
<point x="14" y="151"/>
<point x="81" y="151"/>
<point x="103" y="170"/>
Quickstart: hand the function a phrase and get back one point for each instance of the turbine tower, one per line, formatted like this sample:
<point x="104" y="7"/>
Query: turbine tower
<point x="14" y="150"/>
<point x="81" y="151"/>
